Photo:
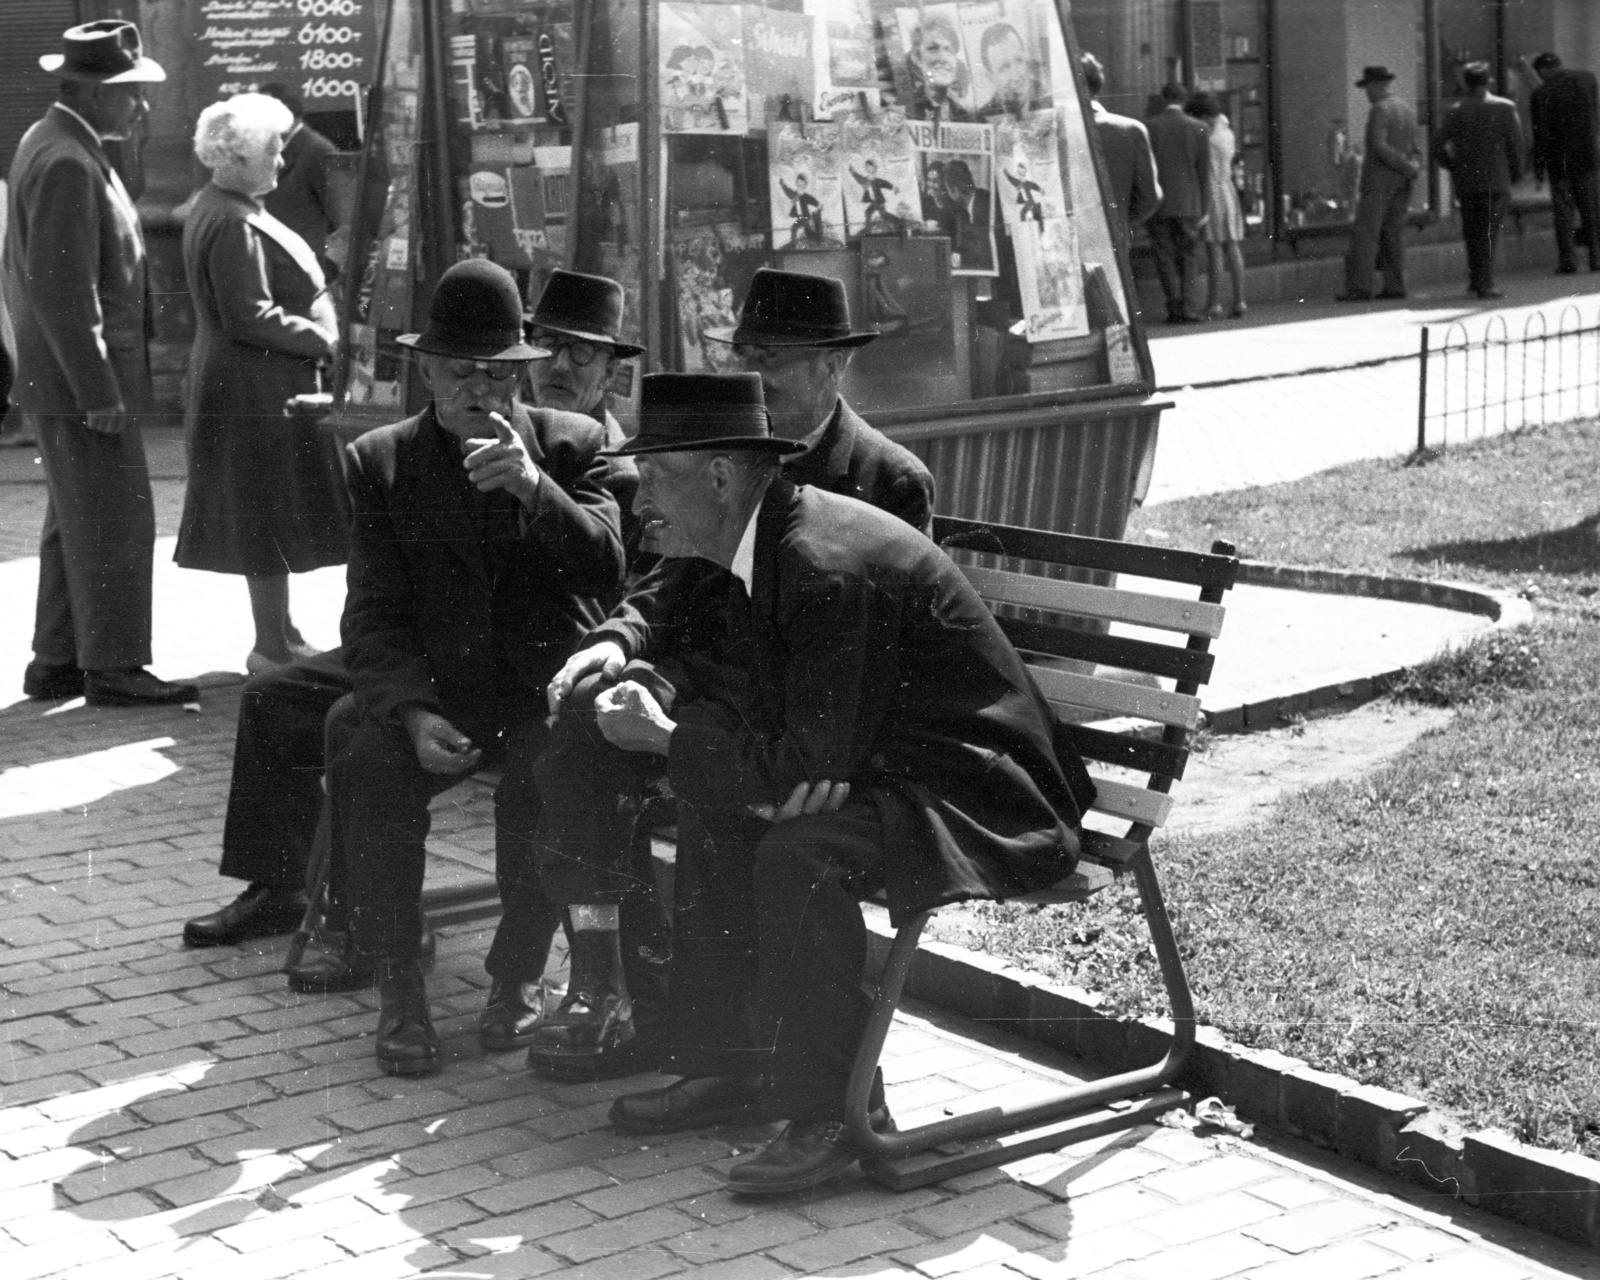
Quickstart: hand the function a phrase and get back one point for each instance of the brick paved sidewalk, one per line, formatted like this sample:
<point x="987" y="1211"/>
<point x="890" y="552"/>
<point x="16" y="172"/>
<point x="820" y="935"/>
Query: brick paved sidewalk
<point x="173" y="1112"/>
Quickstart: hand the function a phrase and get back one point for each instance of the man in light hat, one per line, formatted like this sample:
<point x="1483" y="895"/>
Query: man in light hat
<point x="1389" y="166"/>
<point x="888" y="737"/>
<point x="74" y="278"/>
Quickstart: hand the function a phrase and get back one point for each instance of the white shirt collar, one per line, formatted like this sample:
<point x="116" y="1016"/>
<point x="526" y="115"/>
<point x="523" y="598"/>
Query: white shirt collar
<point x="93" y="132"/>
<point x="744" y="555"/>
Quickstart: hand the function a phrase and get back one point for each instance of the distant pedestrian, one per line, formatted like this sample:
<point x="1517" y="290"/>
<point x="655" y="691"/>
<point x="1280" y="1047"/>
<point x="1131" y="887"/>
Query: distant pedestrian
<point x="1566" y="114"/>
<point x="1224" y="229"/>
<point x="303" y="200"/>
<point x="1389" y="167"/>
<point x="1480" y="143"/>
<point x="1135" y="191"/>
<point x="1183" y="162"/>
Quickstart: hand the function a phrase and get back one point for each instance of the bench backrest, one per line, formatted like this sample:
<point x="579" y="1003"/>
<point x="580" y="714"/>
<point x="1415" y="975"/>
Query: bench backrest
<point x="1121" y="665"/>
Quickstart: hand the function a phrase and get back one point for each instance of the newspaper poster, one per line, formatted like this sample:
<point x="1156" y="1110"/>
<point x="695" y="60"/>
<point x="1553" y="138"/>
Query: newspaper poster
<point x="881" y="190"/>
<point x="1028" y="157"/>
<point x="1050" y="280"/>
<point x="955" y="178"/>
<point x="702" y="73"/>
<point x="1006" y="48"/>
<point x="712" y="266"/>
<point x="846" y="55"/>
<point x="804" y="186"/>
<point x="905" y="296"/>
<point x="932" y="71"/>
<point x="779" y="61"/>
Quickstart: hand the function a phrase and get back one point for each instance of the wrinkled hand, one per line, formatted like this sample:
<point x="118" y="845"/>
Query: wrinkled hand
<point x="108" y="422"/>
<point x="440" y="746"/>
<point x="606" y="657"/>
<point x="804" y="801"/>
<point x="503" y="463"/>
<point x="630" y="718"/>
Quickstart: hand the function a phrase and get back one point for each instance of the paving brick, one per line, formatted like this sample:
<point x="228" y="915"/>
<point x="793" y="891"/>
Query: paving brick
<point x="124" y="1175"/>
<point x="507" y="1197"/>
<point x="755" y="1234"/>
<point x="199" y="1035"/>
<point x="863" y="1202"/>
<point x="1071" y="1173"/>
<point x="1470" y="1264"/>
<point x="49" y="1134"/>
<point x="368" y="1114"/>
<point x="138" y="1068"/>
<point x="52" y="1224"/>
<point x="194" y="1102"/>
<point x="47" y="1166"/>
<point x="289" y="1136"/>
<point x="59" y="1035"/>
<point x="48" y="979"/>
<point x="829" y="1249"/>
<point x="44" y="1088"/>
<point x="1088" y="1254"/>
<point x="1208" y="1259"/>
<point x="1210" y="1178"/>
<point x="400" y="1194"/>
<point x="1417" y="1244"/>
<point x="306" y="1009"/>
<point x="651" y="1159"/>
<point x="1316" y="1225"/>
<point x="640" y="1264"/>
<point x="156" y="1261"/>
<point x="1290" y="1192"/>
<point x="51" y="1258"/>
<point x="296" y="1223"/>
<point x="1109" y="1208"/>
<point x="965" y="1213"/>
<point x="1227" y="1212"/>
<point x="1348" y="1260"/>
<point x="238" y="1179"/>
<point x="325" y="1105"/>
<point x="16" y="1069"/>
<point x="970" y="1251"/>
<point x="645" y="1193"/>
<point x="292" y="1259"/>
<point x="295" y="1039"/>
<point x="457" y="1151"/>
<point x="301" y="1077"/>
<point x="592" y="1148"/>
<point x="741" y="1269"/>
<point x="509" y="1231"/>
<point x="389" y="1264"/>
<point x="122" y="1009"/>
<point x="180" y="1133"/>
<point x="616" y="1234"/>
<point x="417" y="1223"/>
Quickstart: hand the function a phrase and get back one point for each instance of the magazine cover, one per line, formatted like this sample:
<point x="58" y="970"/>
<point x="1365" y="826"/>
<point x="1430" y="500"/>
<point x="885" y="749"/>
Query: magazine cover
<point x="955" y="179"/>
<point x="1005" y="42"/>
<point x="846" y="55"/>
<point x="879" y="173"/>
<point x="905" y="296"/>
<point x="1050" y="280"/>
<point x="702" y="73"/>
<point x="779" y="60"/>
<point x="932" y="71"/>
<point x="1028" y="158"/>
<point x="712" y="266"/>
<point x="806" y="195"/>
<point x="519" y="57"/>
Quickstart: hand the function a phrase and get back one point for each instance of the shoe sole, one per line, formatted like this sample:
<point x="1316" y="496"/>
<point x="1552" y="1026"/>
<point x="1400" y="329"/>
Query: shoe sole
<point x="127" y="700"/>
<point x="233" y="940"/>
<point x="790" y="1185"/>
<point x="408" y="1067"/>
<point x="749" y="1113"/>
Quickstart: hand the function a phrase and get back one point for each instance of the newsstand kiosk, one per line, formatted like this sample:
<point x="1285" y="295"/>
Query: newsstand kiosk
<point x="938" y="158"/>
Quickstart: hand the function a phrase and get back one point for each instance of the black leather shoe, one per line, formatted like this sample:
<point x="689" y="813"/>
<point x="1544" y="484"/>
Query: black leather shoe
<point x="261" y="911"/>
<point x="594" y="1020"/>
<point x="134" y="687"/>
<point x="511" y="1015"/>
<point x="52" y="681"/>
<point x="343" y="968"/>
<point x="407" y="1044"/>
<point x="692" y="1103"/>
<point x="806" y="1153"/>
<point x="1391" y="296"/>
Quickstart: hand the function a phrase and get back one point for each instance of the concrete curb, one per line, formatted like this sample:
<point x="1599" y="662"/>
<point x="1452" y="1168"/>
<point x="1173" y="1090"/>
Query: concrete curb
<point x="1551" y="1191"/>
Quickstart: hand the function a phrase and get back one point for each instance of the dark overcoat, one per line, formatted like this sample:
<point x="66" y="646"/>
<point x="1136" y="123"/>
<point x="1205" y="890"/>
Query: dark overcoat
<point x="302" y="200"/>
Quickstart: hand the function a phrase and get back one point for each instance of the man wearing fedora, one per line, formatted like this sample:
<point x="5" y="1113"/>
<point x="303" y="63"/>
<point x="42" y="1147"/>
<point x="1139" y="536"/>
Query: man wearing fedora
<point x="483" y="537"/>
<point x="888" y="737"/>
<point x="794" y="331"/>
<point x="74" y="278"/>
<point x="1389" y="166"/>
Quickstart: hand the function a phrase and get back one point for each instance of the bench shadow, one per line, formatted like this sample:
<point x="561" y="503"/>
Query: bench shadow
<point x="1573" y="551"/>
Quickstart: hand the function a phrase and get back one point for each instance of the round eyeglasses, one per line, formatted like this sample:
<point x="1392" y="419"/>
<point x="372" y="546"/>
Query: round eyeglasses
<point x="580" y="351"/>
<point x="494" y="370"/>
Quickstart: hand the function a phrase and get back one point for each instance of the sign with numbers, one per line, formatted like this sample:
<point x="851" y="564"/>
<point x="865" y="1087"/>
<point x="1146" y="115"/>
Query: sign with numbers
<point x="324" y="49"/>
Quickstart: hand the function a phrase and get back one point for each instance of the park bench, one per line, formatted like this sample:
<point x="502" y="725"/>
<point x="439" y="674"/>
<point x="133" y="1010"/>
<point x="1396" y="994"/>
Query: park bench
<point x="1122" y="668"/>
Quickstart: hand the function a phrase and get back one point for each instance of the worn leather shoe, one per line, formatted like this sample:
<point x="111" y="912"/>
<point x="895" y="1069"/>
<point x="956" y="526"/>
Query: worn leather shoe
<point x="343" y="968"/>
<point x="806" y="1153"/>
<point x="261" y="911"/>
<point x="692" y="1103"/>
<point x="511" y="1015"/>
<point x="134" y="687"/>
<point x="52" y="681"/>
<point x="407" y="1044"/>
<point x="594" y="1021"/>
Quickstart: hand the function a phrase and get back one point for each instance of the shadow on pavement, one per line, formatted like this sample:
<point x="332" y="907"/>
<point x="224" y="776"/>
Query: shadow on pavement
<point x="1574" y="550"/>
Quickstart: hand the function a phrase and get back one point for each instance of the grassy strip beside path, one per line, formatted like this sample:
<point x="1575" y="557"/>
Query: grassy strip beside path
<point x="1433" y="927"/>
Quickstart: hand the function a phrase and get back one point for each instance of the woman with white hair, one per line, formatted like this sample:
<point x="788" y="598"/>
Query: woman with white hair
<point x="266" y="495"/>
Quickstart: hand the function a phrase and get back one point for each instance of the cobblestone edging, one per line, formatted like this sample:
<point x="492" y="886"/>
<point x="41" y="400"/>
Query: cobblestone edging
<point x="1551" y="1191"/>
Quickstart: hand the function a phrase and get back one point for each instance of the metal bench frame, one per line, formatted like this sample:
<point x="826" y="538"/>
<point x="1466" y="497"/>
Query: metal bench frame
<point x="1063" y="578"/>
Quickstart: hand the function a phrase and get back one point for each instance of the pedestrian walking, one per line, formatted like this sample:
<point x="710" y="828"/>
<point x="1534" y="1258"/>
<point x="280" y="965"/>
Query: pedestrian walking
<point x="266" y="494"/>
<point x="1183" y="164"/>
<point x="1224" y="229"/>
<point x="1388" y="168"/>
<point x="74" y="280"/>
<point x="1566" y="114"/>
<point x="1480" y="143"/>
<point x="1134" y="192"/>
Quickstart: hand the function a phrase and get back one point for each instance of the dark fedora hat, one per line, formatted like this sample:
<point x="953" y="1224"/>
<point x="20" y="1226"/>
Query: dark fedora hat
<point x="788" y="309"/>
<point x="107" y="52"/>
<point x="582" y="306"/>
<point x="1374" y="75"/>
<point x="475" y="314"/>
<point x="692" y="412"/>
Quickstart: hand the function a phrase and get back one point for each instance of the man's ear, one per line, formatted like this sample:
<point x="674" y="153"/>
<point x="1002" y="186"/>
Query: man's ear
<point x="425" y="371"/>
<point x="723" y="473"/>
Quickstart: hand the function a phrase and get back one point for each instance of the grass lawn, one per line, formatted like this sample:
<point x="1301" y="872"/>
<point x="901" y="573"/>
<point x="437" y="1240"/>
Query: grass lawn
<point x="1435" y="926"/>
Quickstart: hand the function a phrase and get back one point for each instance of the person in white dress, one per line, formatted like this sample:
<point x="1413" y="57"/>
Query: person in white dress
<point x="1225" y="227"/>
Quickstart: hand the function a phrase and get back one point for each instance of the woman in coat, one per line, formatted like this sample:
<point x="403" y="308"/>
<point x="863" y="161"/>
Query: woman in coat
<point x="266" y="495"/>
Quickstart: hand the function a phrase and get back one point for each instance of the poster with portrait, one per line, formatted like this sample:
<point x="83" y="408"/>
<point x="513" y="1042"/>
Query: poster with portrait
<point x="955" y="171"/>
<point x="804" y="186"/>
<point x="1028" y="162"/>
<point x="1006" y="53"/>
<point x="879" y="174"/>
<point x="1050" y="279"/>
<point x="846" y="54"/>
<point x="712" y="265"/>
<point x="931" y="68"/>
<point x="702" y="72"/>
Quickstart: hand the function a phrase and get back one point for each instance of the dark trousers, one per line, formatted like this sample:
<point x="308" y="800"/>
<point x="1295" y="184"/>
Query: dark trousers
<point x="1174" y="240"/>
<point x="97" y="548"/>
<point x="1482" y="215"/>
<point x="1577" y="193"/>
<point x="1377" y="238"/>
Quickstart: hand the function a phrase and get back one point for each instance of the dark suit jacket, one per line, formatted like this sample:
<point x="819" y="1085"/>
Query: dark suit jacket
<point x="74" y="275"/>
<point x="1480" y="142"/>
<point x="434" y="619"/>
<point x="1135" y="191"/>
<point x="301" y="200"/>
<point x="872" y="659"/>
<point x="1566" y="115"/>
<point x="1183" y="162"/>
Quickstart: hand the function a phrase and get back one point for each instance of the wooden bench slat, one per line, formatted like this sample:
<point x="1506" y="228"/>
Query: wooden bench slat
<point x="1085" y="882"/>
<point x="1114" y="851"/>
<point x="1116" y="697"/>
<point x="1148" y="656"/>
<point x="1143" y="755"/>
<point x="1114" y="604"/>
<point x="1192" y="567"/>
<point x="1136" y="804"/>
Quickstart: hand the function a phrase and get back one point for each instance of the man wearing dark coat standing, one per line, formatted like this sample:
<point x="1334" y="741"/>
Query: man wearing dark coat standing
<point x="303" y="199"/>
<point x="1480" y="143"/>
<point x="74" y="278"/>
<point x="888" y="738"/>
<point x="1566" y="115"/>
<point x="1183" y="165"/>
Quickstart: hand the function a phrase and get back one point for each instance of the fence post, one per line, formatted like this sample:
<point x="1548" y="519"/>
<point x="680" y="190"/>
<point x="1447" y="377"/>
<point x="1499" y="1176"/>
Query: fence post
<point x="1422" y="393"/>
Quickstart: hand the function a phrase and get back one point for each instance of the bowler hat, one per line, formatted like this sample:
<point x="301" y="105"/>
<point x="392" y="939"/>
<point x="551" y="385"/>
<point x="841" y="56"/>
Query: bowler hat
<point x="587" y="307"/>
<point x="475" y="314"/>
<point x="788" y="309"/>
<point x="692" y="412"/>
<point x="1374" y="75"/>
<point x="108" y="52"/>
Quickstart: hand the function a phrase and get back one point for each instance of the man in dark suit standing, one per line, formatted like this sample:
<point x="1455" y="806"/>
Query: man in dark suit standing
<point x="74" y="271"/>
<point x="888" y="737"/>
<point x="1389" y="166"/>
<point x="302" y="200"/>
<point x="1183" y="161"/>
<point x="1135" y="191"/>
<point x="1480" y="143"/>
<point x="1566" y="114"/>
